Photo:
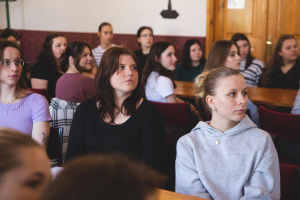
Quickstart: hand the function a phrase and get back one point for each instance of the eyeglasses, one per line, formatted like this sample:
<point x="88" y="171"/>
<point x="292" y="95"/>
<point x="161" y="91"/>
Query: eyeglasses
<point x="145" y="35"/>
<point x="7" y="63"/>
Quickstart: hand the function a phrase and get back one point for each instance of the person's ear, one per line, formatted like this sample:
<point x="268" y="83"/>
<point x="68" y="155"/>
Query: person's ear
<point x="210" y="101"/>
<point x="156" y="59"/>
<point x="280" y="53"/>
<point x="99" y="34"/>
<point x="71" y="60"/>
<point x="138" y="39"/>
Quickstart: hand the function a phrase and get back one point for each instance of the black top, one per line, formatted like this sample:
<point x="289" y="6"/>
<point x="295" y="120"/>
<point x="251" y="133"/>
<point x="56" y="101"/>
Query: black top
<point x="142" y="58"/>
<point x="45" y="72"/>
<point x="141" y="136"/>
<point x="289" y="80"/>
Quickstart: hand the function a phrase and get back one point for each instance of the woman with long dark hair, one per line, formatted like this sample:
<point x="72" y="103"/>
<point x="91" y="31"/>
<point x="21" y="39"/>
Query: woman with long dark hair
<point x="73" y="86"/>
<point x="251" y="68"/>
<point x="20" y="109"/>
<point x="45" y="73"/>
<point x="118" y="118"/>
<point x="283" y="69"/>
<point x="193" y="61"/>
<point x="158" y="75"/>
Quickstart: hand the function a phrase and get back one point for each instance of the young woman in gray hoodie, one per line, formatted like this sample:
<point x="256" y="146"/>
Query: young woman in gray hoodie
<point x="228" y="157"/>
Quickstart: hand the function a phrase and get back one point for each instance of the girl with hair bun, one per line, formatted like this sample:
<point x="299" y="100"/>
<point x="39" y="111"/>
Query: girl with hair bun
<point x="225" y="53"/>
<point x="228" y="157"/>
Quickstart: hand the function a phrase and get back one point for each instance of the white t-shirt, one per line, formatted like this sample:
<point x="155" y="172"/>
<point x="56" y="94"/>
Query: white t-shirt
<point x="158" y="88"/>
<point x="98" y="52"/>
<point x="253" y="72"/>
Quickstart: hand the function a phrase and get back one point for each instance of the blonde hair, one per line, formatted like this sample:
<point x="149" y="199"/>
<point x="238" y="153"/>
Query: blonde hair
<point x="11" y="142"/>
<point x="206" y="82"/>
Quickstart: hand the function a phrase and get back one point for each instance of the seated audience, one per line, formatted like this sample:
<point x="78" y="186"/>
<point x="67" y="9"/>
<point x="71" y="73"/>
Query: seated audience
<point x="45" y="73"/>
<point x="193" y="61"/>
<point x="105" y="34"/>
<point x="20" y="109"/>
<point x="296" y="108"/>
<point x="12" y="35"/>
<point x="158" y="75"/>
<point x="110" y="177"/>
<point x="145" y="41"/>
<point x="283" y="69"/>
<point x="250" y="67"/>
<point x="72" y="85"/>
<point x="24" y="167"/>
<point x="225" y="53"/>
<point x="228" y="157"/>
<point x="118" y="118"/>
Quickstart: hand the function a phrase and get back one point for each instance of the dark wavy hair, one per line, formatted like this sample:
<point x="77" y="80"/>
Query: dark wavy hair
<point x="21" y="84"/>
<point x="139" y="32"/>
<point x="186" y="58"/>
<point x="276" y="61"/>
<point x="218" y="54"/>
<point x="240" y="36"/>
<point x="104" y="94"/>
<point x="9" y="32"/>
<point x="74" y="49"/>
<point x="46" y="55"/>
<point x="153" y="64"/>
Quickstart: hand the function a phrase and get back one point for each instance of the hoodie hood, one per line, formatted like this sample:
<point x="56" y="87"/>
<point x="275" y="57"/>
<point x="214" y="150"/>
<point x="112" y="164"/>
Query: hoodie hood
<point x="242" y="126"/>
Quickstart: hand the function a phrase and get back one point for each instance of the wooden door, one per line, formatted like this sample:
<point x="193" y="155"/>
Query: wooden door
<point x="260" y="21"/>
<point x="283" y="18"/>
<point x="222" y="23"/>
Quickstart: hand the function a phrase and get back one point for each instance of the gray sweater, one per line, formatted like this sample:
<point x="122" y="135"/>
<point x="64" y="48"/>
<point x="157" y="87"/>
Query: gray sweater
<point x="244" y="165"/>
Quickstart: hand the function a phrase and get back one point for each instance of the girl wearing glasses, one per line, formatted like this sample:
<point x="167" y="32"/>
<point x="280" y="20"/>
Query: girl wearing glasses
<point x="145" y="40"/>
<point x="19" y="109"/>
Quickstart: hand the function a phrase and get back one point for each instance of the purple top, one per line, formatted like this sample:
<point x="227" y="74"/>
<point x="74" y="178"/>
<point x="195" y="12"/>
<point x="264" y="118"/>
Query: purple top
<point x="74" y="87"/>
<point x="21" y="115"/>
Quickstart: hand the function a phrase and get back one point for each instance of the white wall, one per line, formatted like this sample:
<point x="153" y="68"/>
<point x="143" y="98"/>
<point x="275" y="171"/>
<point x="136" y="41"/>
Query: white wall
<point x="126" y="16"/>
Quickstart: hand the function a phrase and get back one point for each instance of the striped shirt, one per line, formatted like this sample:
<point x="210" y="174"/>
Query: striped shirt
<point x="253" y="72"/>
<point x="98" y="52"/>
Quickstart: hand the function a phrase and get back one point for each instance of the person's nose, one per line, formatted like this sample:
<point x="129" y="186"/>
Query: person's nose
<point x="129" y="72"/>
<point x="13" y="66"/>
<point x="242" y="99"/>
<point x="174" y="58"/>
<point x="238" y="57"/>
